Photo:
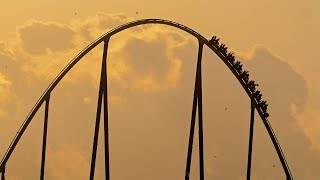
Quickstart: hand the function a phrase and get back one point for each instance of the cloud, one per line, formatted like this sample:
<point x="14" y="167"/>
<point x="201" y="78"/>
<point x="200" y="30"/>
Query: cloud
<point x="5" y="85"/>
<point x="8" y="74"/>
<point x="150" y="60"/>
<point x="32" y="65"/>
<point x="37" y="37"/>
<point x="151" y="72"/>
<point x="267" y="62"/>
<point x="122" y="57"/>
<point x="94" y="26"/>
<point x="309" y="120"/>
<point x="285" y="88"/>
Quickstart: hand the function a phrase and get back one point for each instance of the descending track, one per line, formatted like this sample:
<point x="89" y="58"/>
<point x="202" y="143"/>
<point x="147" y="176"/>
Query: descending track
<point x="220" y="49"/>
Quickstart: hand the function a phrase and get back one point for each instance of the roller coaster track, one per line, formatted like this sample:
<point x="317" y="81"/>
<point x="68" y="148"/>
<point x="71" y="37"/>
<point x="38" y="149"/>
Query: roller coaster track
<point x="213" y="44"/>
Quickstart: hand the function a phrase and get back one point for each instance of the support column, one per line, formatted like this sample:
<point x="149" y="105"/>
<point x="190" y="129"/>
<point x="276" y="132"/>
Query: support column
<point x="194" y="109"/>
<point x="96" y="131"/>
<point x="44" y="140"/>
<point x="250" y="141"/>
<point x="3" y="170"/>
<point x="191" y="135"/>
<point x="106" y="114"/>
<point x="199" y="76"/>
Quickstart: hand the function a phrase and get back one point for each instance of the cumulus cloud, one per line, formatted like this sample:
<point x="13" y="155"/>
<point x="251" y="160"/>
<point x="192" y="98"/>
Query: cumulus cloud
<point x="285" y="88"/>
<point x="8" y="74"/>
<point x="33" y="64"/>
<point x="151" y="72"/>
<point x="4" y="92"/>
<point x="269" y="62"/>
<point x="37" y="37"/>
<point x="151" y="63"/>
<point x="122" y="49"/>
<point x="309" y="120"/>
<point x="94" y="26"/>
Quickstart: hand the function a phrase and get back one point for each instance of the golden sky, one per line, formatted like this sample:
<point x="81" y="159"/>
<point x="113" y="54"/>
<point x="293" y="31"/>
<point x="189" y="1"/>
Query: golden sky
<point x="151" y="79"/>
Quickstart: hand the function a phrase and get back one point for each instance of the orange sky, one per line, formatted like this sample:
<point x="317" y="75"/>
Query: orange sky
<point x="276" y="41"/>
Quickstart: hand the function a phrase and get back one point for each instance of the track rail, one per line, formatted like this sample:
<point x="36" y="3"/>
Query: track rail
<point x="118" y="29"/>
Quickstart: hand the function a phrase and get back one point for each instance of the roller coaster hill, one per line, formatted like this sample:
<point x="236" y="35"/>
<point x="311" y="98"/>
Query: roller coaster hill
<point x="221" y="50"/>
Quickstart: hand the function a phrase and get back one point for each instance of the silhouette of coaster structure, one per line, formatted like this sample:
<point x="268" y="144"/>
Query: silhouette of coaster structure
<point x="257" y="104"/>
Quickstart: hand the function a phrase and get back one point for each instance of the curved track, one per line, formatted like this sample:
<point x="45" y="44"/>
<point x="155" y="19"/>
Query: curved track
<point x="202" y="40"/>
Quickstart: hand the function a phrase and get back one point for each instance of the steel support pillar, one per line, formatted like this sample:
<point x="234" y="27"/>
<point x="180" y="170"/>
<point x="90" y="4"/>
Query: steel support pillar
<point x="3" y="170"/>
<point x="250" y="141"/>
<point x="2" y="176"/>
<point x="197" y="93"/>
<point x="44" y="140"/>
<point x="199" y="71"/>
<point x="102" y="91"/>
<point x="106" y="115"/>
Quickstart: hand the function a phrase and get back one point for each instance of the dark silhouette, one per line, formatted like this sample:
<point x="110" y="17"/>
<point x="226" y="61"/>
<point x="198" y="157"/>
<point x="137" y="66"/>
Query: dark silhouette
<point x="223" y="49"/>
<point x="245" y="76"/>
<point x="238" y="67"/>
<point x="231" y="59"/>
<point x="252" y="86"/>
<point x="257" y="95"/>
<point x="250" y="140"/>
<point x="214" y="41"/>
<point x="257" y="104"/>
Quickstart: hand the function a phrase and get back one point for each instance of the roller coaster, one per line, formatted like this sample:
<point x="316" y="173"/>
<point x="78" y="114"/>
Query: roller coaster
<point x="257" y="104"/>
